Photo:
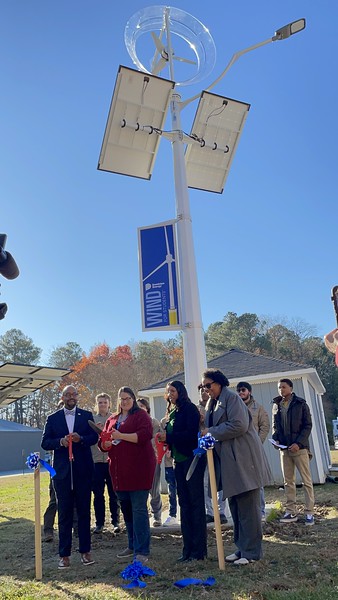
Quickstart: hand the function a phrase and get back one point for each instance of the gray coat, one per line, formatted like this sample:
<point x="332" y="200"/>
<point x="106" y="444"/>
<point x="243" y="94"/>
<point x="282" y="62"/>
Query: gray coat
<point x="243" y="464"/>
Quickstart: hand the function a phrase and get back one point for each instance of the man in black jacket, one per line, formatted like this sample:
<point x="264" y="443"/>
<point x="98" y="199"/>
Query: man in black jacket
<point x="73" y="479"/>
<point x="291" y="427"/>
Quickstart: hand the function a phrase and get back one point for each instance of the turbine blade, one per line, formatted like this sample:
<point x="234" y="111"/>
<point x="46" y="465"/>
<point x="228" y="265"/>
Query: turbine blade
<point x="186" y="60"/>
<point x="159" y="66"/>
<point x="157" y="42"/>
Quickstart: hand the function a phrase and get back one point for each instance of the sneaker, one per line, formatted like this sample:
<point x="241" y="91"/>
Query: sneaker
<point x="86" y="559"/>
<point x="64" y="563"/>
<point x="98" y="529"/>
<point x="242" y="561"/>
<point x="288" y="518"/>
<point x="223" y="519"/>
<point x="142" y="558"/>
<point x="309" y="520"/>
<point x="209" y="519"/>
<point x="170" y="521"/>
<point x="116" y="529"/>
<point x="125" y="553"/>
<point x="157" y="523"/>
<point x="232" y="557"/>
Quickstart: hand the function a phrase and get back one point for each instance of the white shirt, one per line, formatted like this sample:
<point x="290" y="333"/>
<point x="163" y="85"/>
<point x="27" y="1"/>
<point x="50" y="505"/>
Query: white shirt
<point x="70" y="419"/>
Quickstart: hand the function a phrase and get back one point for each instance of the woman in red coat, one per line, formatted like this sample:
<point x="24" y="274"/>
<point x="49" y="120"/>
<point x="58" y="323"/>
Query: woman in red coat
<point x="131" y="467"/>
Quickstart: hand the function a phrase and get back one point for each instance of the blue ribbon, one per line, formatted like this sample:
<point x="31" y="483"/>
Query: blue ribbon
<point x="182" y="583"/>
<point x="33" y="461"/>
<point x="205" y="442"/>
<point x="134" y="572"/>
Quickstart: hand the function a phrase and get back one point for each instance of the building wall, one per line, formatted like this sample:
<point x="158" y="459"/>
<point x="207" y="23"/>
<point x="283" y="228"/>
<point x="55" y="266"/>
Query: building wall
<point x="15" y="446"/>
<point x="264" y="392"/>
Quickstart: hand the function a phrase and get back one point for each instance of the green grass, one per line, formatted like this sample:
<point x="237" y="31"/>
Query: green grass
<point x="300" y="563"/>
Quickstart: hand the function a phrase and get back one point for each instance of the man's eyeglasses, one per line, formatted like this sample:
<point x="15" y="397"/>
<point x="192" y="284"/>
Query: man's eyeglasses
<point x="200" y="387"/>
<point x="207" y="386"/>
<point x="242" y="390"/>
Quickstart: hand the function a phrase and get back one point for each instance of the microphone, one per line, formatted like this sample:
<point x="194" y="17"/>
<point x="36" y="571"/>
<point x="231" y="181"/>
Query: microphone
<point x="3" y="310"/>
<point x="8" y="266"/>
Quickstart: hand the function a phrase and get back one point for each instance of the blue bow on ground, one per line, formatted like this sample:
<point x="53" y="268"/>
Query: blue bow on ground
<point x="205" y="442"/>
<point x="134" y="572"/>
<point x="182" y="583"/>
<point x="33" y="461"/>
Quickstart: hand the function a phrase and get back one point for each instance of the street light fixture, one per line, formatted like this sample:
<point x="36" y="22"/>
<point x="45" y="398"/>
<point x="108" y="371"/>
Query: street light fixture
<point x="209" y="138"/>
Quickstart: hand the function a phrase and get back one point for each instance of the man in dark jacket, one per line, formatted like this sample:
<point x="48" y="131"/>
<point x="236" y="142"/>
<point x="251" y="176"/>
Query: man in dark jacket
<point x="291" y="427"/>
<point x="73" y="478"/>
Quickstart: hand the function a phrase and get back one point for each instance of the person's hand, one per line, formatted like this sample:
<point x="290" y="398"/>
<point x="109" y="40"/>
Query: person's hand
<point x="161" y="436"/>
<point x="204" y="431"/>
<point x="115" y="434"/>
<point x="100" y="425"/>
<point x="106" y="444"/>
<point x="64" y="441"/>
<point x="294" y="448"/>
<point x="75" y="437"/>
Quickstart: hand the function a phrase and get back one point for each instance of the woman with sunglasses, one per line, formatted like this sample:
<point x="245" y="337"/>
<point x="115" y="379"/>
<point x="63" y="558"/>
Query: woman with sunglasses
<point x="240" y="464"/>
<point x="181" y="436"/>
<point x="131" y="466"/>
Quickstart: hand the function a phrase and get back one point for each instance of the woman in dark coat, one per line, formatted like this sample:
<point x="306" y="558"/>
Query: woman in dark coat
<point x="241" y="464"/>
<point x="182" y="437"/>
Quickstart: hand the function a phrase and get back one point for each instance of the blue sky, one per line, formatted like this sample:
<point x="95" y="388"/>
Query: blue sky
<point x="266" y="245"/>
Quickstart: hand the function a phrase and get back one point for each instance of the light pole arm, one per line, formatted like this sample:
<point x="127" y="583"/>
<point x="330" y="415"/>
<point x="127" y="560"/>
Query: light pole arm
<point x="281" y="34"/>
<point x="235" y="57"/>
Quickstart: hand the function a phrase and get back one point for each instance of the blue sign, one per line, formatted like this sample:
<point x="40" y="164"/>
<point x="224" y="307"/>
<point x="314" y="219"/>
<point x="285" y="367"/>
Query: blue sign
<point x="158" y="277"/>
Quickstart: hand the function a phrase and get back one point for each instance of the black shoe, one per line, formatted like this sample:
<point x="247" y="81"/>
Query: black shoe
<point x="184" y="559"/>
<point x="116" y="529"/>
<point x="209" y="519"/>
<point x="224" y="520"/>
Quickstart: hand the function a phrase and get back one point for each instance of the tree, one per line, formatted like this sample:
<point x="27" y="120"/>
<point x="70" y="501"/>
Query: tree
<point x="244" y="332"/>
<point x="65" y="357"/>
<point x="16" y="347"/>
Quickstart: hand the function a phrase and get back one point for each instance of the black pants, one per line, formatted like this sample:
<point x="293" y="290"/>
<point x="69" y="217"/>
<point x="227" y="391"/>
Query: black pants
<point x="101" y="479"/>
<point x="191" y="500"/>
<point x="51" y="510"/>
<point x="67" y="499"/>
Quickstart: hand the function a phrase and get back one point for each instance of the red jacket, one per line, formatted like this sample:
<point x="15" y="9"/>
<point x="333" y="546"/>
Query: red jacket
<point x="132" y="466"/>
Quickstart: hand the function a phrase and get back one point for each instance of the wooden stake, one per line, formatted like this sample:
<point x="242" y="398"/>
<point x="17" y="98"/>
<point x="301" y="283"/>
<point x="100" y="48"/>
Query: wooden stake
<point x="38" y="550"/>
<point x="217" y="520"/>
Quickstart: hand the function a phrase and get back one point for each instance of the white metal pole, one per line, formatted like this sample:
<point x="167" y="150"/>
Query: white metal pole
<point x="193" y="334"/>
<point x="191" y="319"/>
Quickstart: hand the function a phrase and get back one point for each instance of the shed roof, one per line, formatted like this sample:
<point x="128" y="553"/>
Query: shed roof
<point x="12" y="426"/>
<point x="237" y="364"/>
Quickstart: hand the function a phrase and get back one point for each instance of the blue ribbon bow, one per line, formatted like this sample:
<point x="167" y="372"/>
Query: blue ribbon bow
<point x="205" y="442"/>
<point x="182" y="583"/>
<point x="134" y="572"/>
<point x="33" y="461"/>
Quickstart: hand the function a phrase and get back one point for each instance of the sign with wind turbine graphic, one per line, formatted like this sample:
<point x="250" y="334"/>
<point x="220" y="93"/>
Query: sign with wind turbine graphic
<point x="159" y="277"/>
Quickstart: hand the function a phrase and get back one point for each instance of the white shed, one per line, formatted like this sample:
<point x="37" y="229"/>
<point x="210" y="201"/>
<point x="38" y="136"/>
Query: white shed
<point x="263" y="373"/>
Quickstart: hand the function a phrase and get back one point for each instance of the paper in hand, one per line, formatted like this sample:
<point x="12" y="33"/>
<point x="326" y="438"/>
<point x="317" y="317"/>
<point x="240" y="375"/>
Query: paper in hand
<point x="281" y="446"/>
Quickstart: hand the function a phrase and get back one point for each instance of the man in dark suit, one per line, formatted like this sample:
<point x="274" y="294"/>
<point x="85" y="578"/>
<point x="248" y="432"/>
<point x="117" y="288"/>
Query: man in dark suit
<point x="73" y="478"/>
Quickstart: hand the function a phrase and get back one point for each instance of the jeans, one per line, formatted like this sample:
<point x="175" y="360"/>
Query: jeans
<point x="155" y="494"/>
<point x="171" y="481"/>
<point x="100" y="480"/>
<point x="207" y="499"/>
<point x="135" y="512"/>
